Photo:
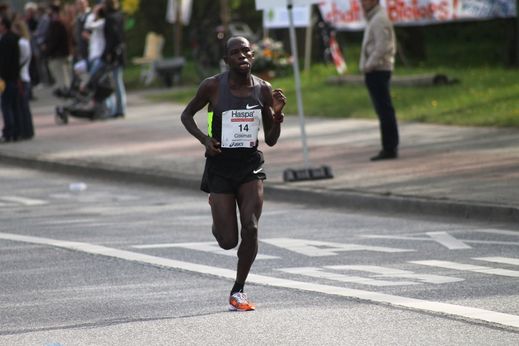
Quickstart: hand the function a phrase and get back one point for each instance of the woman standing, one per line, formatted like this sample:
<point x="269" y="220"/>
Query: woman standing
<point x="26" y="129"/>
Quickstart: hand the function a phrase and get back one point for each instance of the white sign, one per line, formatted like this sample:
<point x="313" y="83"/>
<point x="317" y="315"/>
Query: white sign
<point x="185" y="11"/>
<point x="266" y="4"/>
<point x="275" y="18"/>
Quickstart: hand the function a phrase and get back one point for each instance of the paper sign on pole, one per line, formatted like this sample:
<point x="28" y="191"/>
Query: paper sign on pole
<point x="184" y="6"/>
<point x="308" y="172"/>
<point x="338" y="58"/>
<point x="275" y="18"/>
<point x="266" y="4"/>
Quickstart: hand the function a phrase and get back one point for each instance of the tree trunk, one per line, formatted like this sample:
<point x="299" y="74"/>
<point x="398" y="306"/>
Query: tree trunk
<point x="225" y="16"/>
<point x="411" y="44"/>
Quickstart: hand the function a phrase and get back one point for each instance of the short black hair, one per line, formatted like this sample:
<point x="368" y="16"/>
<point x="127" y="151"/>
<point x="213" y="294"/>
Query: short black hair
<point x="6" y="22"/>
<point x="111" y="5"/>
<point x="55" y="8"/>
<point x="233" y="38"/>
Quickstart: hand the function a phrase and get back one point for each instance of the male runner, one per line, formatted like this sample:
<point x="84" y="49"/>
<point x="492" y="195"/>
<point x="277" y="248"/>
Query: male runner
<point x="238" y="104"/>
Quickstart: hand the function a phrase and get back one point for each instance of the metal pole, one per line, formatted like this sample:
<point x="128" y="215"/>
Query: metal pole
<point x="178" y="29"/>
<point x="293" y="45"/>
<point x="517" y="33"/>
<point x="308" y="42"/>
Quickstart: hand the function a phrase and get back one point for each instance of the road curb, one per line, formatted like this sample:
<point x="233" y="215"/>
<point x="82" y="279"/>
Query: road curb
<point x="341" y="199"/>
<point x="389" y="204"/>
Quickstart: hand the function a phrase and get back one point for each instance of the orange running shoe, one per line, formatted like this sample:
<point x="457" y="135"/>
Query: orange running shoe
<point x="239" y="302"/>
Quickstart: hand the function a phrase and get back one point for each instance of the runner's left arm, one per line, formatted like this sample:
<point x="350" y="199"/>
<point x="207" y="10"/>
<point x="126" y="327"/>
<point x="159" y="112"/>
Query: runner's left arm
<point x="272" y="114"/>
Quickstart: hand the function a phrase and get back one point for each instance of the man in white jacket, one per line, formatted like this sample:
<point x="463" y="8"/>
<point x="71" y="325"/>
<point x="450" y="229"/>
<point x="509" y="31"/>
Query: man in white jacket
<point x="377" y="62"/>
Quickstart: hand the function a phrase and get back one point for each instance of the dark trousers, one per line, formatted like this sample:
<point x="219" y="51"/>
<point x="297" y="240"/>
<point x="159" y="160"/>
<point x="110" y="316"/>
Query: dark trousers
<point x="10" y="110"/>
<point x="26" y="130"/>
<point x="378" y="86"/>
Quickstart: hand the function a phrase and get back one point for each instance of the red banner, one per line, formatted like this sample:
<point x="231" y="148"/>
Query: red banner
<point x="348" y="15"/>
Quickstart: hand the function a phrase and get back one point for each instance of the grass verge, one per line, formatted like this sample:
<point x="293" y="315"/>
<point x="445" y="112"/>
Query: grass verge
<point x="484" y="96"/>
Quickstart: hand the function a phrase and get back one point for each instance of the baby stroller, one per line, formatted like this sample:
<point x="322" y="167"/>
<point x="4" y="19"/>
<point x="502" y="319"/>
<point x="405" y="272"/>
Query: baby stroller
<point x="88" y="102"/>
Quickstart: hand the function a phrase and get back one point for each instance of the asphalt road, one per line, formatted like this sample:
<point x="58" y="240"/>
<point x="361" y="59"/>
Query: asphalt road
<point x="114" y="263"/>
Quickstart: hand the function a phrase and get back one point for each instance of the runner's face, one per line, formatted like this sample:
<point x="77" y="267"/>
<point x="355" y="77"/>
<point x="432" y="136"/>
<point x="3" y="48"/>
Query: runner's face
<point x="239" y="55"/>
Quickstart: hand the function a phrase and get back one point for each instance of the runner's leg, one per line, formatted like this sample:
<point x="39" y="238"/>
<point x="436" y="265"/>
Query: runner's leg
<point x="250" y="203"/>
<point x="225" y="223"/>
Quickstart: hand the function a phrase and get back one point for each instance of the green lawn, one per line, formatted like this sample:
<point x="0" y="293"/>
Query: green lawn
<point x="472" y="52"/>
<point x="483" y="97"/>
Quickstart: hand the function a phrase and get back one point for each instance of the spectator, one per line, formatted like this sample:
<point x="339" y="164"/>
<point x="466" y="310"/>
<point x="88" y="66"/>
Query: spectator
<point x="95" y="108"/>
<point x="9" y="73"/>
<point x="94" y="33"/>
<point x="78" y="44"/>
<point x="31" y="16"/>
<point x="377" y="62"/>
<point x="26" y="128"/>
<point x="31" y="19"/>
<point x="69" y="17"/>
<point x="114" y="53"/>
<point x="42" y="61"/>
<point x="5" y="10"/>
<point x="80" y="41"/>
<point x="57" y="49"/>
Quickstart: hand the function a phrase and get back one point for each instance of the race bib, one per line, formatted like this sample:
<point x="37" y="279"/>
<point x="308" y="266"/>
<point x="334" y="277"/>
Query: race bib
<point x="240" y="128"/>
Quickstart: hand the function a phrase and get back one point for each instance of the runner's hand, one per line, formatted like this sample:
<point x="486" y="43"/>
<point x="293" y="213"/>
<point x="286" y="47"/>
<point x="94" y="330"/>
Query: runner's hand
<point x="279" y="101"/>
<point x="212" y="146"/>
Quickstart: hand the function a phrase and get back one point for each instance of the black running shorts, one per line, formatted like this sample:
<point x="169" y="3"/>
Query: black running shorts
<point x="226" y="176"/>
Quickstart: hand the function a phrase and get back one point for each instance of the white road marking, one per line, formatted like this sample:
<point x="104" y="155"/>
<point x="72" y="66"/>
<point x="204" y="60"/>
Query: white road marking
<point x="411" y="303"/>
<point x="23" y="200"/>
<point x="211" y="247"/>
<point x="496" y="231"/>
<point x="93" y="196"/>
<point x="385" y="272"/>
<point x="486" y="242"/>
<point x="503" y="260"/>
<point x="395" y="237"/>
<point x="121" y="254"/>
<point x="492" y="242"/>
<point x="448" y="240"/>
<point x="320" y="274"/>
<point x="68" y="222"/>
<point x="469" y="267"/>
<point x="315" y="248"/>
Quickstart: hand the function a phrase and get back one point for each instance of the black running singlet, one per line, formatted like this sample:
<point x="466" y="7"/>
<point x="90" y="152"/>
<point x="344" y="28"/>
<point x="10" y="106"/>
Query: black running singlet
<point x="235" y="121"/>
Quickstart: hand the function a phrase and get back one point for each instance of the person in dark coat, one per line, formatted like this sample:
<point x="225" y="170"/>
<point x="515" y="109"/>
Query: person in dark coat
<point x="58" y="50"/>
<point x="10" y="74"/>
<point x="80" y="41"/>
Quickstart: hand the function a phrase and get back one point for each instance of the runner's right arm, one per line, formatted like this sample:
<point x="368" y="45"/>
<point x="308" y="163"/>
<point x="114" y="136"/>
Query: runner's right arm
<point x="203" y="96"/>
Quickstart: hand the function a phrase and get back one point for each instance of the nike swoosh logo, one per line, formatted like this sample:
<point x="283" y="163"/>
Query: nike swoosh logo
<point x="251" y="107"/>
<point x="256" y="171"/>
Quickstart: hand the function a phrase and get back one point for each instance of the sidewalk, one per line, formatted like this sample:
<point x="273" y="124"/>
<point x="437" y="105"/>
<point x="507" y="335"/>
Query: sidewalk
<point x="442" y="170"/>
